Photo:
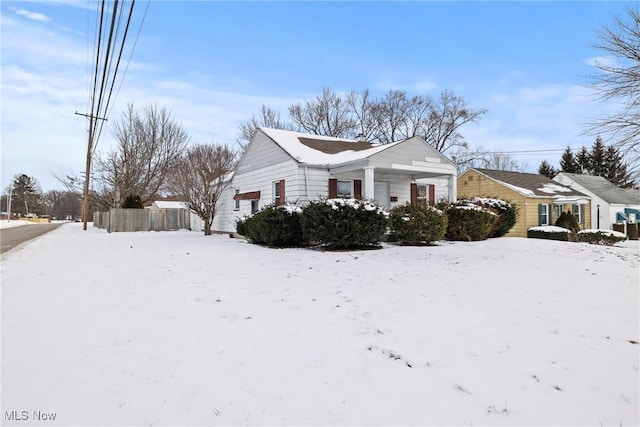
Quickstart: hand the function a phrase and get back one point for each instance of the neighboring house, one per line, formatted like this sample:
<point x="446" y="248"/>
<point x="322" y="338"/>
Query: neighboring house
<point x="610" y="204"/>
<point x="281" y="166"/>
<point x="539" y="199"/>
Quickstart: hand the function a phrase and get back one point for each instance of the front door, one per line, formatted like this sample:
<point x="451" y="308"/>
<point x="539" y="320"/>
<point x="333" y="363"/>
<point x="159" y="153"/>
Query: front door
<point x="382" y="194"/>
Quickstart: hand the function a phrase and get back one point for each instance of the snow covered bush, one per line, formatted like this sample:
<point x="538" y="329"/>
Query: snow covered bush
<point x="273" y="225"/>
<point x="417" y="224"/>
<point x="600" y="237"/>
<point x="343" y="223"/>
<point x="550" y="232"/>
<point x="469" y="222"/>
<point x="507" y="214"/>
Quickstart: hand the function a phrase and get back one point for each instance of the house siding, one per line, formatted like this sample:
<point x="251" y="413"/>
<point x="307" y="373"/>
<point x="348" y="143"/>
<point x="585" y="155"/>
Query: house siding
<point x="262" y="153"/>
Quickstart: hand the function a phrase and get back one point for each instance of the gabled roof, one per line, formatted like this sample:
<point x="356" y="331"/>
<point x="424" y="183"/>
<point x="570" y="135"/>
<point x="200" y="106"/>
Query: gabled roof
<point x="306" y="148"/>
<point x="531" y="184"/>
<point x="605" y="190"/>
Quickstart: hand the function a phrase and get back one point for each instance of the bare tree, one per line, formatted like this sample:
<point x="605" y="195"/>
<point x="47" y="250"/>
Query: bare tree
<point x="147" y="148"/>
<point x="391" y="116"/>
<point x="619" y="80"/>
<point x="200" y="176"/>
<point x="268" y="118"/>
<point x="362" y="108"/>
<point x="448" y="114"/>
<point x="501" y="161"/>
<point x="328" y="115"/>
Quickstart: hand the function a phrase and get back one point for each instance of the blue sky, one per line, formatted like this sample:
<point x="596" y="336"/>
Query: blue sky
<point x="215" y="63"/>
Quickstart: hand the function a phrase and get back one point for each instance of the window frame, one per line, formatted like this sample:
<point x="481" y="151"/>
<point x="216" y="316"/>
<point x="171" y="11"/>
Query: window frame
<point x="544" y="214"/>
<point x="255" y="206"/>
<point x="578" y="215"/>
<point x="276" y="192"/>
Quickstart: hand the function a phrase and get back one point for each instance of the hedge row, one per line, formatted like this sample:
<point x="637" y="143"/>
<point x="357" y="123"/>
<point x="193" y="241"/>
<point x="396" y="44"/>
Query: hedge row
<point x="352" y="223"/>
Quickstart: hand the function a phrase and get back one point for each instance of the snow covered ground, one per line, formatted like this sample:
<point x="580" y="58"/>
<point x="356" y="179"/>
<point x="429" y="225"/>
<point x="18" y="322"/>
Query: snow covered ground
<point x="14" y="223"/>
<point x="176" y="328"/>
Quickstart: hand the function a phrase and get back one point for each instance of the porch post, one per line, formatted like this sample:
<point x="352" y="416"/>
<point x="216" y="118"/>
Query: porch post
<point x="452" y="188"/>
<point x="369" y="192"/>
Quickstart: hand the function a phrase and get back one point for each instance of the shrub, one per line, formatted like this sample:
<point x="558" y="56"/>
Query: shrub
<point x="600" y="237"/>
<point x="507" y="214"/>
<point x="343" y="223"/>
<point x="469" y="222"/>
<point x="273" y="225"/>
<point x="568" y="221"/>
<point x="550" y="232"/>
<point x="132" y="202"/>
<point x="417" y="224"/>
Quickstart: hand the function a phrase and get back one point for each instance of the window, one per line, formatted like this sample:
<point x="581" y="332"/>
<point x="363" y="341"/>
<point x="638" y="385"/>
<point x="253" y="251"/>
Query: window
<point x="344" y="189"/>
<point x="237" y="200"/>
<point x="577" y="213"/>
<point x="254" y="206"/>
<point x="543" y="214"/>
<point x="276" y="193"/>
<point x="421" y="196"/>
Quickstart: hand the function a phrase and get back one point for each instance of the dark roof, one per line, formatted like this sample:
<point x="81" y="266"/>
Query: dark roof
<point x="533" y="184"/>
<point x="333" y="147"/>
<point x="606" y="190"/>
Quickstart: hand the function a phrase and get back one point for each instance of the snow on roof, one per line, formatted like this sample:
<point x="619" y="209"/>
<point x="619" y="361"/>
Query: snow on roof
<point x="290" y="142"/>
<point x="554" y="188"/>
<point x="164" y="204"/>
<point x="531" y="184"/>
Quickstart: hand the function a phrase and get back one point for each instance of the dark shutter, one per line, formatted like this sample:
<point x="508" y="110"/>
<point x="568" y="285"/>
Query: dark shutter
<point x="282" y="195"/>
<point x="432" y="194"/>
<point x="333" y="188"/>
<point x="414" y="193"/>
<point x="357" y="189"/>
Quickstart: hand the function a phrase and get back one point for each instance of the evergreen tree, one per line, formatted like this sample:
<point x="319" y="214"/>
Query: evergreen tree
<point x="568" y="162"/>
<point x="547" y="170"/>
<point x="26" y="195"/>
<point x="583" y="160"/>
<point x="597" y="164"/>
<point x="615" y="170"/>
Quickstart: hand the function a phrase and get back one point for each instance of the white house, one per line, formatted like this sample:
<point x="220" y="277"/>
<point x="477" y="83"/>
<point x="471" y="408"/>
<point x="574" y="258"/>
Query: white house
<point x="610" y="204"/>
<point x="283" y="166"/>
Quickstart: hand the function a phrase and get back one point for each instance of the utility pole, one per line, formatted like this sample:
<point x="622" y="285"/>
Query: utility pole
<point x="87" y="174"/>
<point x="9" y="204"/>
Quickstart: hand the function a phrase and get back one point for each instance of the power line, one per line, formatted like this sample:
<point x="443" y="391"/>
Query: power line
<point x="104" y="74"/>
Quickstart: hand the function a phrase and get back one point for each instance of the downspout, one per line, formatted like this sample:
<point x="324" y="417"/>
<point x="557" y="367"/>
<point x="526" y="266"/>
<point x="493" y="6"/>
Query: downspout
<point x="306" y="184"/>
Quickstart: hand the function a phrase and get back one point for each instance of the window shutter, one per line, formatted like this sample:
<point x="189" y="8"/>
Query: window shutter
<point x="333" y="188"/>
<point x="432" y="194"/>
<point x="282" y="195"/>
<point x="414" y="193"/>
<point x="582" y="218"/>
<point x="357" y="189"/>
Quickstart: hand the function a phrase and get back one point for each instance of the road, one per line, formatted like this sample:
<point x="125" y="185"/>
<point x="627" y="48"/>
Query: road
<point x="12" y="237"/>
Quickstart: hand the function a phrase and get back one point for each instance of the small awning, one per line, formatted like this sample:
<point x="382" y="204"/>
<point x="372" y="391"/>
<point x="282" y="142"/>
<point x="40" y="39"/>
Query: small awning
<point x="251" y="195"/>
<point x="571" y="201"/>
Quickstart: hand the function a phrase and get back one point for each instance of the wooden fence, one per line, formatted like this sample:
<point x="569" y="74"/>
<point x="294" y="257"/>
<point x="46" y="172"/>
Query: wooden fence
<point x="142" y="220"/>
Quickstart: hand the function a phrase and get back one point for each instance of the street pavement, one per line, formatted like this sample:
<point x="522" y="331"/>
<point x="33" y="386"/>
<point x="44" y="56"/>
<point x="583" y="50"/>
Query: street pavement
<point x="13" y="236"/>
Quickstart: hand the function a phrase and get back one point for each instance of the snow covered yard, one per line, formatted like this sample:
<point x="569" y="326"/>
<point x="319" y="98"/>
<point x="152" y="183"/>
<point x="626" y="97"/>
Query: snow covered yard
<point x="180" y="329"/>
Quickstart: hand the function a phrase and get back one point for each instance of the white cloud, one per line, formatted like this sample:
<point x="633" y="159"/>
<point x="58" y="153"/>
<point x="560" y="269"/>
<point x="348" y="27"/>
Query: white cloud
<point x="34" y="16"/>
